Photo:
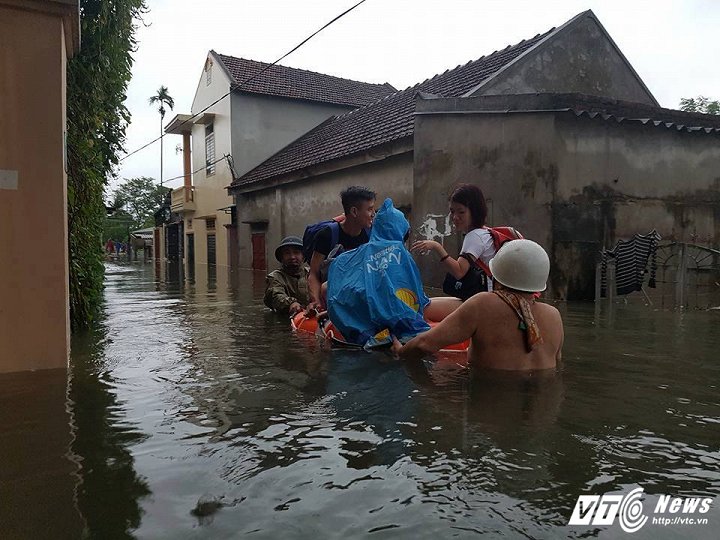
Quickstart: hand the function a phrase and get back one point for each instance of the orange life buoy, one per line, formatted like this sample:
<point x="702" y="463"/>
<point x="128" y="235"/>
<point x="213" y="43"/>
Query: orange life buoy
<point x="302" y="323"/>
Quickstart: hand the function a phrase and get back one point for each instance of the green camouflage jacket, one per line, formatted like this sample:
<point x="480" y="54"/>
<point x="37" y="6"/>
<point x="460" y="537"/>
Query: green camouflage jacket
<point x="282" y="289"/>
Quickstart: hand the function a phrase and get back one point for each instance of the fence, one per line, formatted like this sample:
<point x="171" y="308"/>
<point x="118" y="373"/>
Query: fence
<point x="679" y="275"/>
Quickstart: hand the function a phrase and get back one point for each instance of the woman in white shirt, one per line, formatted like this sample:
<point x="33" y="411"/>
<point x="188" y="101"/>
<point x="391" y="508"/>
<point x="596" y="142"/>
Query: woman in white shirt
<point x="468" y="212"/>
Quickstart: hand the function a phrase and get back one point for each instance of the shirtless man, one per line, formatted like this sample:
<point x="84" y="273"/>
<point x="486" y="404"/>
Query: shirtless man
<point x="509" y="330"/>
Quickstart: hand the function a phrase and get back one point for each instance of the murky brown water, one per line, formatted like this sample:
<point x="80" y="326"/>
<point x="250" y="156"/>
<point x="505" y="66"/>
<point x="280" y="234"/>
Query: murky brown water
<point x="195" y="413"/>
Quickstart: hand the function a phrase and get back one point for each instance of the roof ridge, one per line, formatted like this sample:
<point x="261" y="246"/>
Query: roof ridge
<point x="385" y="84"/>
<point x="386" y="119"/>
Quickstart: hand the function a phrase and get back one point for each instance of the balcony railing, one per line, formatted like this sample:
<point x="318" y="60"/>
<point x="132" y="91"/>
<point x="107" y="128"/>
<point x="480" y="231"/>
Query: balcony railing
<point x="183" y="199"/>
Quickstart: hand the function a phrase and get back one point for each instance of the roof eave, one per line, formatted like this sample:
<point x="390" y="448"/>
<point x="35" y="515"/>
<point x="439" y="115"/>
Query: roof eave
<point x="375" y="154"/>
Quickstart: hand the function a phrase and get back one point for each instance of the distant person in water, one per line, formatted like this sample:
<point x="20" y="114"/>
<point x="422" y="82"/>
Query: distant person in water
<point x="508" y="329"/>
<point x="286" y="289"/>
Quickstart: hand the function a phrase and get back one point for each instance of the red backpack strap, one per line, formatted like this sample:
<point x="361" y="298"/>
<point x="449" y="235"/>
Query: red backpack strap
<point x="500" y="235"/>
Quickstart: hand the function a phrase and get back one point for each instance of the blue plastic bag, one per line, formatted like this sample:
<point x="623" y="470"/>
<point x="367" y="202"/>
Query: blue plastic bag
<point x="377" y="286"/>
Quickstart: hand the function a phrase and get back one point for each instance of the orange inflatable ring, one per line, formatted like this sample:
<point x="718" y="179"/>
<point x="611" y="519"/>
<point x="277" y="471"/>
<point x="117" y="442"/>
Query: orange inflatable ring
<point x="302" y="323"/>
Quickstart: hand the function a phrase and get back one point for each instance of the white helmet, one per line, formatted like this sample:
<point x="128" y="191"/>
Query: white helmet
<point x="522" y="265"/>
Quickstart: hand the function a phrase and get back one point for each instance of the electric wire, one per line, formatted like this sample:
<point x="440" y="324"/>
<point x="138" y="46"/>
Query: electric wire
<point x="246" y="81"/>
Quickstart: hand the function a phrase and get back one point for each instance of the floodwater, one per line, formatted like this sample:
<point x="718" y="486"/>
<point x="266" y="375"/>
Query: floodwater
<point x="193" y="412"/>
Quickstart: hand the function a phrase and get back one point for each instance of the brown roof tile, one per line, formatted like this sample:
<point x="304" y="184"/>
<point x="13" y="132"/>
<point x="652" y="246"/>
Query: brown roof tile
<point x="301" y="84"/>
<point x="389" y="119"/>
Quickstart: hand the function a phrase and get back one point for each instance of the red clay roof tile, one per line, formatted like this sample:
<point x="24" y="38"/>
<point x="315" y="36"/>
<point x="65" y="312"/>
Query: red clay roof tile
<point x="301" y="84"/>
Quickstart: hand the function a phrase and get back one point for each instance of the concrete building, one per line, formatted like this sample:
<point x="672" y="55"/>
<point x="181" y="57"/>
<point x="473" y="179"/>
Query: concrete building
<point x="246" y="110"/>
<point x="34" y="305"/>
<point x="572" y="174"/>
<point x="374" y="145"/>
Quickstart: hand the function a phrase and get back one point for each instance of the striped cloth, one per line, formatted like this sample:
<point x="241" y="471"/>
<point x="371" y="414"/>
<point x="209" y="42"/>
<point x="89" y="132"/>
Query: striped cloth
<point x="631" y="263"/>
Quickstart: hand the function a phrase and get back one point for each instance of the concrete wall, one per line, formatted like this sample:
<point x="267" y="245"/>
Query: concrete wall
<point x="291" y="207"/>
<point x="574" y="184"/>
<point x="34" y="309"/>
<point x="510" y="157"/>
<point x="263" y="125"/>
<point x="579" y="57"/>
<point x="616" y="180"/>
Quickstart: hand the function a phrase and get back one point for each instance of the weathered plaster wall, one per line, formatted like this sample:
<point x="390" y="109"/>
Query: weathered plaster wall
<point x="619" y="179"/>
<point x="578" y="58"/>
<point x="34" y="309"/>
<point x="573" y="184"/>
<point x="511" y="158"/>
<point x="290" y="208"/>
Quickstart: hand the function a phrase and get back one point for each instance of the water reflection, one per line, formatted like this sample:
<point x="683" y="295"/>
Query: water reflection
<point x="109" y="491"/>
<point x="194" y="392"/>
<point x="38" y="474"/>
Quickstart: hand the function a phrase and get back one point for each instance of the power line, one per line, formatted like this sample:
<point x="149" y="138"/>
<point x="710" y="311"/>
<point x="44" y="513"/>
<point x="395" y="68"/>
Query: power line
<point x="246" y="81"/>
<point x="198" y="170"/>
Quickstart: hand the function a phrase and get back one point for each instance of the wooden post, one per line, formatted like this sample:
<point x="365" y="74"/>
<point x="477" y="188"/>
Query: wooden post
<point x="598" y="282"/>
<point x="611" y="286"/>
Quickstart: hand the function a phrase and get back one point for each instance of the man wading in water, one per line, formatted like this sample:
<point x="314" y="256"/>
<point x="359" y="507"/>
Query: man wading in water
<point x="509" y="330"/>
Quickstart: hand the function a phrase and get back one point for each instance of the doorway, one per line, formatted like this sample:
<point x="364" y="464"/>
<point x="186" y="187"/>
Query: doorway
<point x="258" y="250"/>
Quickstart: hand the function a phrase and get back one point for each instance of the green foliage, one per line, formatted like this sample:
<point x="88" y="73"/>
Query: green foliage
<point x="700" y="104"/>
<point x="138" y="199"/>
<point x="162" y="98"/>
<point x="97" y="79"/>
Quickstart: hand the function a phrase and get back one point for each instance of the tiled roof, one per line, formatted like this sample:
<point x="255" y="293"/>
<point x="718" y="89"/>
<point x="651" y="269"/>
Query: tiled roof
<point x="384" y="121"/>
<point x="300" y="84"/>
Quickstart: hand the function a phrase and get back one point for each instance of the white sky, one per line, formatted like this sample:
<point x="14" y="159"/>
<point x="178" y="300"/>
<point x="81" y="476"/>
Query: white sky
<point x="673" y="45"/>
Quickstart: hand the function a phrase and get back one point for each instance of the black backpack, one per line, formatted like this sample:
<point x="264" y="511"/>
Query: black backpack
<point x="311" y="232"/>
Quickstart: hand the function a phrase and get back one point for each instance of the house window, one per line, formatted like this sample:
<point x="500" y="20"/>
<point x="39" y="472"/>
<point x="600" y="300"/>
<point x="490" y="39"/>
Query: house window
<point x="208" y="72"/>
<point x="211" y="249"/>
<point x="209" y="150"/>
<point x="210" y="223"/>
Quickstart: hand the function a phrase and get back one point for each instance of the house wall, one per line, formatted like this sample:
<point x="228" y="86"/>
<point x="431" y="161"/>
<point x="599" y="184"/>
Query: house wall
<point x="512" y="159"/>
<point x="34" y="309"/>
<point x="580" y="57"/>
<point x="574" y="184"/>
<point x="249" y="127"/>
<point x="616" y="180"/>
<point x="289" y="208"/>
<point x="263" y="125"/>
<point x="210" y="192"/>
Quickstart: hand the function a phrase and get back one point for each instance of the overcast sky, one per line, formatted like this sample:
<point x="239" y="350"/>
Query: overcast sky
<point x="673" y="45"/>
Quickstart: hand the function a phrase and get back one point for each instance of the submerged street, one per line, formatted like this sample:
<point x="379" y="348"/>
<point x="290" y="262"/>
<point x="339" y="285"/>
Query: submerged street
<point x="194" y="412"/>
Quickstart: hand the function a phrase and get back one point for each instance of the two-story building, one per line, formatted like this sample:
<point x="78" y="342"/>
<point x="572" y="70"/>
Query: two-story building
<point x="243" y="112"/>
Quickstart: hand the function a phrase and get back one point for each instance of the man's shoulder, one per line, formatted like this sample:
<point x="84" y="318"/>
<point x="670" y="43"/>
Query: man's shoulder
<point x="549" y="310"/>
<point x="277" y="274"/>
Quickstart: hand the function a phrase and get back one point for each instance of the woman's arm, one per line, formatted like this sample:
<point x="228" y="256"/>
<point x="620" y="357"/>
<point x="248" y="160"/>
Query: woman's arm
<point x="457" y="267"/>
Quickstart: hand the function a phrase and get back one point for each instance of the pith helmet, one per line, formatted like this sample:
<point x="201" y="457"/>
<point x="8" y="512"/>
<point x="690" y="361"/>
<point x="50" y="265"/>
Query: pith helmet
<point x="522" y="265"/>
<point x="293" y="241"/>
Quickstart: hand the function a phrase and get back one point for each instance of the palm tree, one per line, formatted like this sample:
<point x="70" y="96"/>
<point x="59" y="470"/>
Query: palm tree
<point x="162" y="98"/>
